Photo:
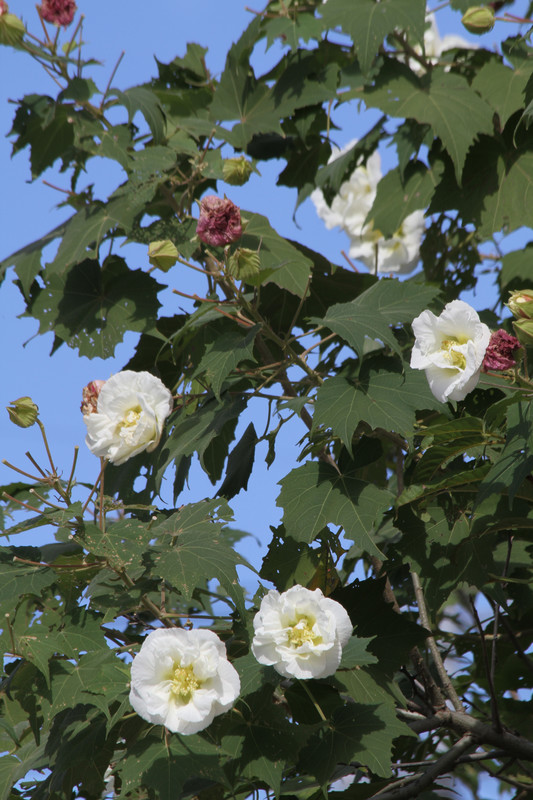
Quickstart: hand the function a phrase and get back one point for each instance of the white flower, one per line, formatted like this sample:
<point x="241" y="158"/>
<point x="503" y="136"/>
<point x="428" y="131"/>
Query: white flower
<point x="434" y="45"/>
<point x="398" y="254"/>
<point x="131" y="410"/>
<point x="349" y="210"/>
<point x="300" y="633"/>
<point x="450" y="348"/>
<point x="182" y="679"/>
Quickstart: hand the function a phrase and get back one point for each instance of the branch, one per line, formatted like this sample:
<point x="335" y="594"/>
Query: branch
<point x="413" y="785"/>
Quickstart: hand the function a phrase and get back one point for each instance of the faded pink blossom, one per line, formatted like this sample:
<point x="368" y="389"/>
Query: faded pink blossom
<point x="499" y="353"/>
<point x="58" y="12"/>
<point x="90" y="394"/>
<point x="4" y="8"/>
<point x="219" y="222"/>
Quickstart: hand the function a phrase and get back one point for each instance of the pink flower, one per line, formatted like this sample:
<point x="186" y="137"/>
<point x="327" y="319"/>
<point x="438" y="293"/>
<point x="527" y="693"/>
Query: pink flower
<point x="4" y="8"/>
<point x="499" y="353"/>
<point x="58" y="12"/>
<point x="219" y="222"/>
<point x="89" y="401"/>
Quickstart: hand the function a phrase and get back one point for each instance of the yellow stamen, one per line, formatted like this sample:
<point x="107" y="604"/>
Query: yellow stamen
<point x="184" y="683"/>
<point x="302" y="632"/>
<point x="455" y="357"/>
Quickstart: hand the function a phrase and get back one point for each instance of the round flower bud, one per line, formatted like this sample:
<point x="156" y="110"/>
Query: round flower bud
<point x="301" y="633"/>
<point x="12" y="29"/>
<point x="521" y="303"/>
<point x="163" y="254"/>
<point x="58" y="12"/>
<point x="478" y="20"/>
<point x="89" y="397"/>
<point x="243" y="263"/>
<point x="23" y="412"/>
<point x="524" y="331"/>
<point x="236" y="171"/>
<point x="219" y="222"/>
<point x="182" y="679"/>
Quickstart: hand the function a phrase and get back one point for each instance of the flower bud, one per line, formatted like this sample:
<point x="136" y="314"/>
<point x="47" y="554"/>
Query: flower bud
<point x="58" y="12"/>
<point x="478" y="20"/>
<point x="499" y="353"/>
<point x="12" y="29"/>
<point x="23" y="412"/>
<point x="236" y="171"/>
<point x="243" y="263"/>
<point x="89" y="402"/>
<point x="524" y="331"/>
<point x="521" y="303"/>
<point x="219" y="222"/>
<point x="162" y="254"/>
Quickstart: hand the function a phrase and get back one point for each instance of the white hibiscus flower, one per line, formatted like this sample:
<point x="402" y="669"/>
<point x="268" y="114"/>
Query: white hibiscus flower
<point x="182" y="679"/>
<point x="300" y="633"/>
<point x="450" y="348"/>
<point x="130" y="412"/>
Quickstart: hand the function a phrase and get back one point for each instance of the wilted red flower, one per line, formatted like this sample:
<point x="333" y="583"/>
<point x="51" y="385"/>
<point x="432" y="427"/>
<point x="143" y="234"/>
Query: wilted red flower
<point x="499" y="353"/>
<point x="4" y="9"/>
<point x="219" y="222"/>
<point x="90" y="394"/>
<point x="58" y="12"/>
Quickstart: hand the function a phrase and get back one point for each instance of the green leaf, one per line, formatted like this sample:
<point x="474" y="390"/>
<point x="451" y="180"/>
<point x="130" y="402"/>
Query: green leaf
<point x="143" y="99"/>
<point x="240" y="464"/>
<point x="316" y="494"/>
<point x="442" y="443"/>
<point x="515" y="462"/>
<point x="387" y="302"/>
<point x="91" y="308"/>
<point x="516" y="266"/>
<point x="398" y="195"/>
<point x="444" y="100"/>
<point x="192" y="550"/>
<point x="280" y="261"/>
<point x="122" y="544"/>
<point x="46" y="127"/>
<point x="355" y="654"/>
<point x="167" y="766"/>
<point x="368" y="22"/>
<point x="502" y="87"/>
<point x="381" y="396"/>
<point x="509" y="206"/>
<point x="363" y="733"/>
<point x="222" y="355"/>
<point x="291" y="30"/>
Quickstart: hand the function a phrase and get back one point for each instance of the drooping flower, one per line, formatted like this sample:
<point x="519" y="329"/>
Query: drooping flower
<point x="58" y="12"/>
<point x="130" y="412"/>
<point x="300" y="633"/>
<point x="349" y="210"/>
<point x="89" y="397"/>
<point x="182" y="679"/>
<point x="450" y="348"/>
<point x="499" y="353"/>
<point x="219" y="222"/>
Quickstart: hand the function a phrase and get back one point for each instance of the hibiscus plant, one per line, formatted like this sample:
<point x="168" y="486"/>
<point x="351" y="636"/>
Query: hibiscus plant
<point x="383" y="647"/>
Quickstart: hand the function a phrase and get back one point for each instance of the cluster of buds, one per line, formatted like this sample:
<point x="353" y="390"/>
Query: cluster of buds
<point x="58" y="12"/>
<point x="521" y="305"/>
<point x="89" y="401"/>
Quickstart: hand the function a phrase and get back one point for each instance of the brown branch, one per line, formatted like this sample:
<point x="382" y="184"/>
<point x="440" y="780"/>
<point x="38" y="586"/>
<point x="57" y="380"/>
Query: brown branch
<point x="493" y="700"/>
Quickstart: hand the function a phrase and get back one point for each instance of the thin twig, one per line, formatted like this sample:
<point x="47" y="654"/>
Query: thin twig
<point x="493" y="700"/>
<point x="113" y="73"/>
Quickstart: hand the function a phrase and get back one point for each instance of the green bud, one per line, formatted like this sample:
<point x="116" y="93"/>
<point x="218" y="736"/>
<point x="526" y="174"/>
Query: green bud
<point x="12" y="29"/>
<point x="478" y="20"/>
<point x="523" y="329"/>
<point x="236" y="171"/>
<point x="162" y="254"/>
<point x="23" y="412"/>
<point x="521" y="303"/>
<point x="243" y="263"/>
